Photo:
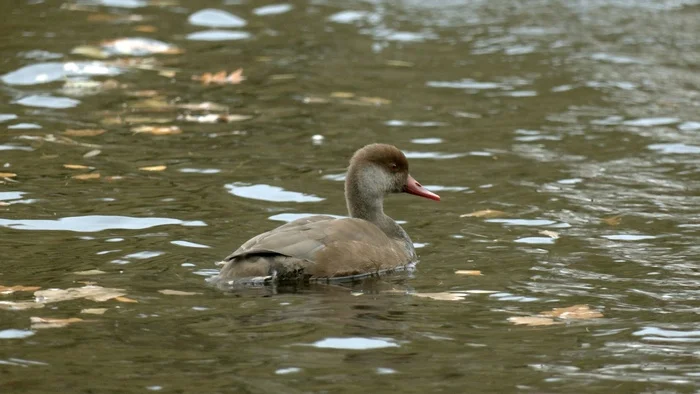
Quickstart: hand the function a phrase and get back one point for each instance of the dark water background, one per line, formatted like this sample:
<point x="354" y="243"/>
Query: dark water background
<point x="558" y="113"/>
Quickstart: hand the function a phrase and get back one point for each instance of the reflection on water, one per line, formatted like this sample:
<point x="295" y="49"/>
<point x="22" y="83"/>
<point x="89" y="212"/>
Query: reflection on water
<point x="573" y="123"/>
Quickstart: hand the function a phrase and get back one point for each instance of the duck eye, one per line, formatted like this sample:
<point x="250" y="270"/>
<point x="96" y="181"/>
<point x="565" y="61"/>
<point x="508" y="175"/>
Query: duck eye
<point x="394" y="166"/>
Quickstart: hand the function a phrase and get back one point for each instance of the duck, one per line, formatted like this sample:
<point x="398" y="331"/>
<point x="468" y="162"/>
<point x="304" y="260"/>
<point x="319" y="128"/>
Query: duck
<point x="326" y="248"/>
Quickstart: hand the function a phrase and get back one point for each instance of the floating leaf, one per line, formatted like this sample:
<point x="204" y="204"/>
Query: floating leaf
<point x="94" y="311"/>
<point x="126" y="299"/>
<point x="221" y="78"/>
<point x="468" y="272"/>
<point x="532" y="321"/>
<point x="177" y="292"/>
<point x="342" y="95"/>
<point x="486" y="213"/>
<point x="157" y="130"/>
<point x="613" y="220"/>
<point x="550" y="234"/>
<point x="76" y="167"/>
<point x="154" y="168"/>
<point x="580" y="312"/>
<point x="167" y="73"/>
<point x="89" y="272"/>
<point x="93" y="293"/>
<point x="38" y="323"/>
<point x="442" y="296"/>
<point x="113" y="178"/>
<point x="20" y="305"/>
<point x="92" y="153"/>
<point x="12" y="289"/>
<point x="214" y="118"/>
<point x="7" y="175"/>
<point x="86" y="177"/>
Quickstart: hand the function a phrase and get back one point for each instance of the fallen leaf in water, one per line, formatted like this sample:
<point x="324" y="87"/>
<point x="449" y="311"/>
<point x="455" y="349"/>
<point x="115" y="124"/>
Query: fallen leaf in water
<point x="89" y="272"/>
<point x="613" y="220"/>
<point x="157" y="130"/>
<point x="468" y="272"/>
<point x="177" y="292"/>
<point x="12" y="289"/>
<point x="154" y="168"/>
<point x="75" y="167"/>
<point x="93" y="293"/>
<point x="214" y="118"/>
<point x="92" y="153"/>
<point x="532" y="321"/>
<point x="126" y="299"/>
<point x="19" y="305"/>
<point x="86" y="177"/>
<point x="342" y="95"/>
<point x="38" y="323"/>
<point x="486" y="213"/>
<point x="442" y="296"/>
<point x="94" y="311"/>
<point x="7" y="175"/>
<point x="167" y="73"/>
<point x="146" y="28"/>
<point x="580" y="312"/>
<point x="221" y="78"/>
<point x="550" y="234"/>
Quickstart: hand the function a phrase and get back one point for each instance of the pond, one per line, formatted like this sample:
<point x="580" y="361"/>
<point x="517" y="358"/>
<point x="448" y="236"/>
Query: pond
<point x="145" y="140"/>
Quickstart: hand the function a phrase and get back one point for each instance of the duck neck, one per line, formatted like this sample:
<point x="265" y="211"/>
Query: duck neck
<point x="365" y="200"/>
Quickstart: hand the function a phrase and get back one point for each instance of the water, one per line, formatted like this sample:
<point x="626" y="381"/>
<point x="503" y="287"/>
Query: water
<point x="577" y="120"/>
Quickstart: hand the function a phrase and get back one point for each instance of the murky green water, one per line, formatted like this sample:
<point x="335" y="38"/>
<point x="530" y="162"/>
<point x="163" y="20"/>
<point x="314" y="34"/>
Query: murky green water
<point x="559" y="114"/>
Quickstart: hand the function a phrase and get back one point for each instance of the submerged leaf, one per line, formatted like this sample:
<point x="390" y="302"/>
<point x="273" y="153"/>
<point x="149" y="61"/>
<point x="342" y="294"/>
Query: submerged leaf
<point x="468" y="272"/>
<point x="92" y="153"/>
<point x="20" y="305"/>
<point x="83" y="132"/>
<point x="126" y="299"/>
<point x="613" y="220"/>
<point x="94" y="311"/>
<point x="214" y="118"/>
<point x="157" y="130"/>
<point x="221" y="78"/>
<point x="85" y="177"/>
<point x="550" y="234"/>
<point x="76" y="167"/>
<point x="154" y="168"/>
<point x="177" y="292"/>
<point x="445" y="296"/>
<point x="93" y="293"/>
<point x="205" y="106"/>
<point x="7" y="175"/>
<point x="38" y="323"/>
<point x="486" y="213"/>
<point x="12" y="289"/>
<point x="580" y="312"/>
<point x="342" y="95"/>
<point x="89" y="272"/>
<point x="532" y="320"/>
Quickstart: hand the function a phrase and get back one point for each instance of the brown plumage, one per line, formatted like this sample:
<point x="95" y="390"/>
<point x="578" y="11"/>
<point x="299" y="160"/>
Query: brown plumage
<point x="324" y="247"/>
